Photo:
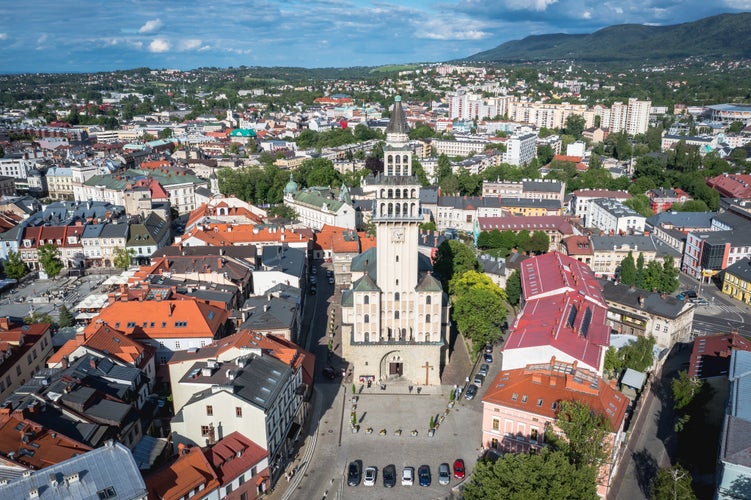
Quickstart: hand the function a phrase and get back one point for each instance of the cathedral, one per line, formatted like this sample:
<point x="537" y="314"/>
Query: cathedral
<point x="395" y="316"/>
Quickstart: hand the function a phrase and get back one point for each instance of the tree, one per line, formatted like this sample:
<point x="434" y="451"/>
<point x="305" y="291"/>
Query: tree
<point x="640" y="271"/>
<point x="514" y="288"/>
<point x="672" y="483"/>
<point x="428" y="226"/>
<point x="15" y="268"/>
<point x="641" y="204"/>
<point x="628" y="270"/>
<point x="690" y="206"/>
<point x="539" y="242"/>
<point x="523" y="476"/>
<point x="66" y="318"/>
<point x="454" y="257"/>
<point x="165" y="133"/>
<point x="37" y="317"/>
<point x="283" y="211"/>
<point x="462" y="283"/>
<point x="49" y="258"/>
<point x="669" y="279"/>
<point x="585" y="431"/>
<point x="638" y="355"/>
<point x="545" y="154"/>
<point x="685" y="388"/>
<point x="575" y="125"/>
<point x="123" y="257"/>
<point x="479" y="314"/>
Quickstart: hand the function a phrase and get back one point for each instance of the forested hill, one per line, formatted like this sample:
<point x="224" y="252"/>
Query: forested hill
<point x="726" y="36"/>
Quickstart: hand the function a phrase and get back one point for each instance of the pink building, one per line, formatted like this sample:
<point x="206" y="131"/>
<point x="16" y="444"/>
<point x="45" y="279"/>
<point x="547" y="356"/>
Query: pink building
<point x="520" y="404"/>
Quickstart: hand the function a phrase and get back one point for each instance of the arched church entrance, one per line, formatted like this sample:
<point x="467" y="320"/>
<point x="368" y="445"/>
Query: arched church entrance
<point x="392" y="365"/>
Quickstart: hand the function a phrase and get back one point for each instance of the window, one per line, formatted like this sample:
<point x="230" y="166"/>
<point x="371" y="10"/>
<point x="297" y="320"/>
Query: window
<point x="177" y="344"/>
<point x="539" y="402"/>
<point x="524" y="398"/>
<point x="366" y="318"/>
<point x="514" y="397"/>
<point x="179" y="324"/>
<point x="428" y="300"/>
<point x="238" y="413"/>
<point x="241" y="479"/>
<point x="496" y="424"/>
<point x="205" y="430"/>
<point x="209" y="410"/>
<point x="366" y="300"/>
<point x="396" y="314"/>
<point x="397" y="258"/>
<point x="18" y="369"/>
<point x="533" y="434"/>
<point x="229" y="489"/>
<point x="427" y="318"/>
<point x="106" y="493"/>
<point x="396" y="296"/>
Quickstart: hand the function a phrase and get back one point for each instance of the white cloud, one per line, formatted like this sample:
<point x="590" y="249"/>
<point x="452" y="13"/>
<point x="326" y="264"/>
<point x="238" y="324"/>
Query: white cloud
<point x="189" y="44"/>
<point x="440" y="29"/>
<point x="42" y="39"/>
<point x="586" y="15"/>
<point x="618" y="10"/>
<point x="538" y="5"/>
<point x="151" y="26"/>
<point x="3" y="36"/>
<point x="739" y="4"/>
<point x="159" y="45"/>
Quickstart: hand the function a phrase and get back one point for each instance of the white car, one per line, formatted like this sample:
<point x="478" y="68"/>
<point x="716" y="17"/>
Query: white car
<point x="408" y="476"/>
<point x="370" y="476"/>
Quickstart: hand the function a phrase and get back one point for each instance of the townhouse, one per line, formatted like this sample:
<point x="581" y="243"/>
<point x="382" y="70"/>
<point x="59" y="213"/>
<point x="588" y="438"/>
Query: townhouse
<point x="662" y="199"/>
<point x="736" y="280"/>
<point x="632" y="311"/>
<point x="614" y="217"/>
<point x="608" y="252"/>
<point x="542" y="189"/>
<point x="315" y="207"/>
<point x="280" y="265"/>
<point x="522" y="404"/>
<point x="460" y="212"/>
<point x="24" y="349"/>
<point x="556" y="227"/>
<point x="168" y="325"/>
<point x="581" y="199"/>
<point x="224" y="234"/>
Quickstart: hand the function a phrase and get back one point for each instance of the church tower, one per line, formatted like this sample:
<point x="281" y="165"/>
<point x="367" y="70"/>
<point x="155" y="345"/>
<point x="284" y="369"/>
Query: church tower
<point x="396" y="212"/>
<point x="395" y="316"/>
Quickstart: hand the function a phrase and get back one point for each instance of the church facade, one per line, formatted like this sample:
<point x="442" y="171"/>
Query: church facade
<point x="395" y="316"/>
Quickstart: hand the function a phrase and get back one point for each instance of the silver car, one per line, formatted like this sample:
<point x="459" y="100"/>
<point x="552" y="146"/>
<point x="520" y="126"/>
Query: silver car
<point x="484" y="368"/>
<point x="444" y="474"/>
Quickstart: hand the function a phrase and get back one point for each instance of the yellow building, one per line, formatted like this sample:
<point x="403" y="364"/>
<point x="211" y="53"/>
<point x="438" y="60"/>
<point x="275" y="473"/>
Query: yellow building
<point x="531" y="207"/>
<point x="737" y="281"/>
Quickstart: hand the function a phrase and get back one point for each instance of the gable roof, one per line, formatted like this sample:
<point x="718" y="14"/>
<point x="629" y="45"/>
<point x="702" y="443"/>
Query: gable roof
<point x="190" y="471"/>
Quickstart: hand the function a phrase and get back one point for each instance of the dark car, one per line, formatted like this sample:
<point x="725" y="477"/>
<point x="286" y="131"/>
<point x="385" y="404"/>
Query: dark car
<point x="459" y="468"/>
<point x="488" y="349"/>
<point x="488" y="358"/>
<point x="330" y="373"/>
<point x="312" y="290"/>
<point x="353" y="473"/>
<point x="471" y="392"/>
<point x="389" y="476"/>
<point x="423" y="475"/>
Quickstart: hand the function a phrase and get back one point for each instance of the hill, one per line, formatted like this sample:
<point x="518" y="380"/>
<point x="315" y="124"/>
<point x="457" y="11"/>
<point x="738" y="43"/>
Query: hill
<point x="726" y="36"/>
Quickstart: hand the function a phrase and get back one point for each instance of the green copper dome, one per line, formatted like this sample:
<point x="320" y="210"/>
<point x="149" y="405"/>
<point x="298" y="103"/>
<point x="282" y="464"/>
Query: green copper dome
<point x="291" y="186"/>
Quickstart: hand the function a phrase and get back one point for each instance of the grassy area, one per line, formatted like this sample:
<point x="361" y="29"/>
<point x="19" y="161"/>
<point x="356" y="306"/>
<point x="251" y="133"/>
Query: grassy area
<point x="394" y="67"/>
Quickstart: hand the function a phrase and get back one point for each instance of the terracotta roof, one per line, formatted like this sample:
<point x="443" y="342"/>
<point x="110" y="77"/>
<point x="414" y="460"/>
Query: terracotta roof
<point x="233" y="455"/>
<point x="732" y="185"/>
<point x="164" y="318"/>
<point x="101" y="337"/>
<point x="178" y="479"/>
<point x="34" y="446"/>
<point x="231" y="234"/>
<point x="577" y="245"/>
<point x="536" y="388"/>
<point x="555" y="272"/>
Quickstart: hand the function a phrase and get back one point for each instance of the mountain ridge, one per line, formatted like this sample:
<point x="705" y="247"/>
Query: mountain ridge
<point x="721" y="36"/>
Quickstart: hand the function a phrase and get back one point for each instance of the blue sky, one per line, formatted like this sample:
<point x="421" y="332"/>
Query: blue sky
<point x="104" y="35"/>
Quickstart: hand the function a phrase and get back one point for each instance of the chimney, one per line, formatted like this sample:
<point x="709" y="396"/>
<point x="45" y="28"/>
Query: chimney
<point x="64" y="363"/>
<point x="92" y="363"/>
<point x="171" y="309"/>
<point x="5" y="323"/>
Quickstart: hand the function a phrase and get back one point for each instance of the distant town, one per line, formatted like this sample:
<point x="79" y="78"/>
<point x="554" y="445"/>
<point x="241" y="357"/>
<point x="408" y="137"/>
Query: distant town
<point x="454" y="281"/>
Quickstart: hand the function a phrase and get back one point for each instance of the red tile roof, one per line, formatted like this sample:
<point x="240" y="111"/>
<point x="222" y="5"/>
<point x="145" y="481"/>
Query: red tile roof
<point x="529" y="223"/>
<point x="554" y="273"/>
<point x="161" y="316"/>
<point x="732" y="185"/>
<point x="47" y="447"/>
<point x="710" y="354"/>
<point x="102" y="338"/>
<point x="523" y="388"/>
<point x="178" y="479"/>
<point x="234" y="234"/>
<point x="577" y="245"/>
<point x="601" y="193"/>
<point x="234" y="455"/>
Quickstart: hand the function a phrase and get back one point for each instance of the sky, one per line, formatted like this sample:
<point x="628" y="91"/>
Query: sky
<point x="105" y="35"/>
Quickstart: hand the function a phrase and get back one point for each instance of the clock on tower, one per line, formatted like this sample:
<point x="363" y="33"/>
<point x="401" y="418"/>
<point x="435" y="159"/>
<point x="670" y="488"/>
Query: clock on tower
<point x="397" y="235"/>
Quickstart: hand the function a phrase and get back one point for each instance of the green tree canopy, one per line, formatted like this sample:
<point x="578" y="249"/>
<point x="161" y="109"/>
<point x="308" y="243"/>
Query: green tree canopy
<point x="49" y="258"/>
<point x="628" y="270"/>
<point x="585" y="431"/>
<point x="685" y="388"/>
<point x="123" y="257"/>
<point x="514" y="288"/>
<point x="672" y="483"/>
<point x="544" y="476"/>
<point x="66" y="318"/>
<point x="454" y="257"/>
<point x="479" y="313"/>
<point x="14" y="267"/>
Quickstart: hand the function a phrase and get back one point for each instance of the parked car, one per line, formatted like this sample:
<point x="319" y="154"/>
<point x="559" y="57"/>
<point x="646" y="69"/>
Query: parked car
<point x="484" y="368"/>
<point x="479" y="379"/>
<point x="488" y="358"/>
<point x="423" y="475"/>
<point x="329" y="273"/>
<point x="471" y="392"/>
<point x="687" y="294"/>
<point x="331" y="280"/>
<point x="314" y="270"/>
<point x="312" y="290"/>
<point x="444" y="474"/>
<point x="700" y="301"/>
<point x="353" y="473"/>
<point x="408" y="476"/>
<point x="488" y="348"/>
<point x="313" y="279"/>
<point x="370" y="476"/>
<point x="459" y="468"/>
<point x="389" y="476"/>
